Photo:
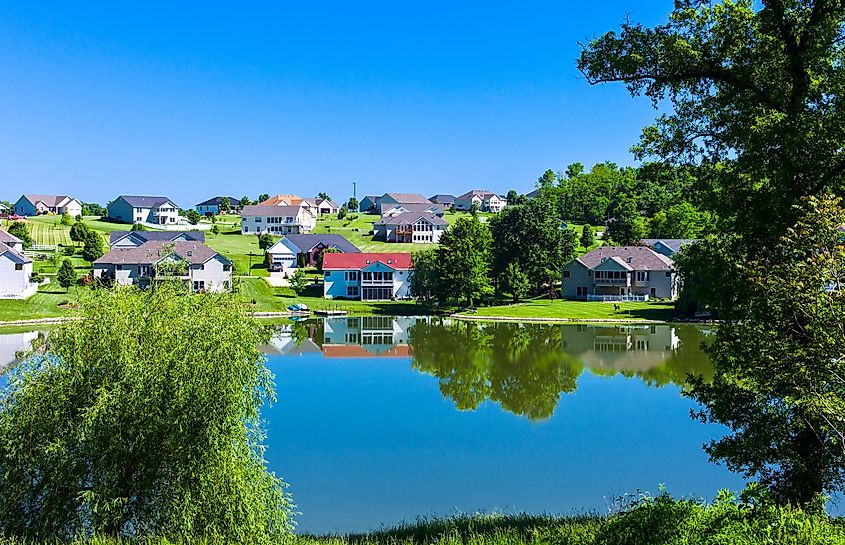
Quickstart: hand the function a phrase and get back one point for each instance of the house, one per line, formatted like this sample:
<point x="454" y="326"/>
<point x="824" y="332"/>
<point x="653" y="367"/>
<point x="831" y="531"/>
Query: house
<point x="144" y="209"/>
<point x="448" y="201"/>
<point x="388" y="199"/>
<point x="367" y="277"/>
<point x="4" y="210"/>
<point x="133" y="239"/>
<point x="667" y="246"/>
<point x="415" y="227"/>
<point x="15" y="269"/>
<point x="620" y="273"/>
<point x="486" y="201"/>
<point x="533" y="194"/>
<point x="202" y="268"/>
<point x="33" y="205"/>
<point x="368" y="337"/>
<point x="285" y="254"/>
<point x="277" y="219"/>
<point x="369" y="204"/>
<point x="292" y="200"/>
<point x="211" y="207"/>
<point x="327" y="206"/>
<point x="396" y="209"/>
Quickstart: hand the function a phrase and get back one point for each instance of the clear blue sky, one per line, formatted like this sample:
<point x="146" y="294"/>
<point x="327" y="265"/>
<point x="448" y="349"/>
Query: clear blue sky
<point x="196" y="100"/>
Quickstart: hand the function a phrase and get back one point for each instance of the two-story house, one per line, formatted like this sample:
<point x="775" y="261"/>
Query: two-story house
<point x="133" y="239"/>
<point x="369" y="204"/>
<point x="277" y="220"/>
<point x="667" y="246"/>
<point x="15" y="269"/>
<point x="367" y="277"/>
<point x="211" y="207"/>
<point x="389" y="200"/>
<point x="144" y="209"/>
<point x="620" y="273"/>
<point x="413" y="227"/>
<point x="200" y="267"/>
<point x="287" y="254"/>
<point x="484" y="200"/>
<point x="33" y="205"/>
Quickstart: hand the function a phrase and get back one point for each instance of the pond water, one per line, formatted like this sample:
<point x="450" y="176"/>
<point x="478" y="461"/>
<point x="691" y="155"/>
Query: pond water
<point x="381" y="420"/>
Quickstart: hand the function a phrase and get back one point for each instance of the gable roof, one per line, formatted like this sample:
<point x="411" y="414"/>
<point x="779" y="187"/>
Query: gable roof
<point x="51" y="201"/>
<point x="407" y="218"/>
<point x="148" y="253"/>
<point x="282" y="200"/>
<point x="358" y="261"/>
<point x="8" y="238"/>
<point x="414" y="207"/>
<point x="407" y="197"/>
<point x="145" y="201"/>
<point x="483" y="193"/>
<point x="673" y="244"/>
<point x="165" y="236"/>
<point x="442" y="198"/>
<point x="327" y="202"/>
<point x="304" y="243"/>
<point x="16" y="255"/>
<point x="270" y="210"/>
<point x="641" y="258"/>
<point x="216" y="202"/>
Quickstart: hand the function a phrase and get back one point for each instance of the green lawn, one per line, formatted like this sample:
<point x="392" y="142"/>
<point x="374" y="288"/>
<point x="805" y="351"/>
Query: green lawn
<point x="243" y="250"/>
<point x="44" y="304"/>
<point x="581" y="310"/>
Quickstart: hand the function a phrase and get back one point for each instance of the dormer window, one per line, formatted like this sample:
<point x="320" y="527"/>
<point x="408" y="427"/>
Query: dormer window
<point x="190" y="253"/>
<point x="628" y="259"/>
<point x="389" y="261"/>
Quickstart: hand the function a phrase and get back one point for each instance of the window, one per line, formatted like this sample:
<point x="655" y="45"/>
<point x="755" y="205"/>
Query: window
<point x="668" y="274"/>
<point x="119" y="267"/>
<point x="566" y="274"/>
<point x="352" y="291"/>
<point x="643" y="276"/>
<point x="18" y="266"/>
<point x="257" y="220"/>
<point x="199" y="285"/>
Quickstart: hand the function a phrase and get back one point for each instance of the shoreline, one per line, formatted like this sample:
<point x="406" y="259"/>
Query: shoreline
<point x="540" y="320"/>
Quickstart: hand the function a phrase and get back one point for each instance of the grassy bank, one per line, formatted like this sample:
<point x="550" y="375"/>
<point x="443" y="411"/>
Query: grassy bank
<point x="579" y="310"/>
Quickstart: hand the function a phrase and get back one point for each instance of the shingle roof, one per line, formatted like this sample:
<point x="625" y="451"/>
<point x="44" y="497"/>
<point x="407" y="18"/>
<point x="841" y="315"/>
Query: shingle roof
<point x="483" y="193"/>
<point x="8" y="237"/>
<point x="415" y="207"/>
<point x="674" y="244"/>
<point x="442" y="199"/>
<point x="216" y="202"/>
<point x="165" y="236"/>
<point x="329" y="202"/>
<point x="306" y="242"/>
<point x="148" y="253"/>
<point x="144" y="201"/>
<point x="275" y="200"/>
<point x="270" y="210"/>
<point x="407" y="197"/>
<point x="344" y="262"/>
<point x="51" y="201"/>
<point x="641" y="258"/>
<point x="407" y="218"/>
<point x="5" y="249"/>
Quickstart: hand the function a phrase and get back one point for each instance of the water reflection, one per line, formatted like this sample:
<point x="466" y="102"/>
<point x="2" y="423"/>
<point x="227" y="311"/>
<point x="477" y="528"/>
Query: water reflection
<point x="12" y="344"/>
<point x="522" y="367"/>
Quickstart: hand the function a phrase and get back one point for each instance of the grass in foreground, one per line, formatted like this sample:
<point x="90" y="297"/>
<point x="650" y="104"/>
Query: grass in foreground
<point x="48" y="302"/>
<point x="581" y="310"/>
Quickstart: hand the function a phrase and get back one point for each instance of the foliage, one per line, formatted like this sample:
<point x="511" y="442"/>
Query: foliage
<point x="320" y="255"/>
<point x="225" y="205"/>
<point x="138" y="227"/>
<point x="298" y="281"/>
<point x="515" y="281"/>
<point x="783" y="394"/>
<point x="193" y="216"/>
<point x="323" y="195"/>
<point x="215" y="229"/>
<point x="681" y="220"/>
<point x="66" y="275"/>
<point x="78" y="231"/>
<point x="463" y="261"/>
<point x="20" y="229"/>
<point x="142" y="419"/>
<point x="66" y="219"/>
<point x="265" y="241"/>
<point x="424" y="284"/>
<point x="93" y="209"/>
<point x="588" y="238"/>
<point x="93" y="246"/>
<point x="261" y="198"/>
<point x="628" y="227"/>
<point x="245" y="201"/>
<point x="343" y="212"/>
<point x="353" y="204"/>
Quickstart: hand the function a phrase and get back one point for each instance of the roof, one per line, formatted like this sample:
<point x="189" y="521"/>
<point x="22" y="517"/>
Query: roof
<point x="532" y="194"/>
<point x="642" y="258"/>
<point x="407" y="218"/>
<point x="358" y="351"/>
<point x="673" y="244"/>
<point x="148" y="253"/>
<point x="371" y="197"/>
<point x="8" y="238"/>
<point x="51" y="201"/>
<point x="5" y="249"/>
<point x="329" y="202"/>
<point x="483" y="193"/>
<point x="143" y="201"/>
<point x="216" y="202"/>
<point x="406" y="197"/>
<point x="442" y="199"/>
<point x="357" y="261"/>
<point x="306" y="242"/>
<point x="164" y="236"/>
<point x="270" y="210"/>
<point x="282" y="200"/>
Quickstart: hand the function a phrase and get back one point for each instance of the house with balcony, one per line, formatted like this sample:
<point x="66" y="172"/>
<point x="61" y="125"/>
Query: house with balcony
<point x="149" y="210"/>
<point x="389" y="200"/>
<point x="133" y="239"/>
<point x="410" y="227"/>
<point x="277" y="220"/>
<point x="486" y="201"/>
<point x="34" y="205"/>
<point x="291" y="251"/>
<point x="394" y="210"/>
<point x="15" y="269"/>
<point x="367" y="276"/>
<point x="620" y="273"/>
<point x="190" y="262"/>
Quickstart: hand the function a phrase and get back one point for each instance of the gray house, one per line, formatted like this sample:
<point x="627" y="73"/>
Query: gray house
<point x="212" y="206"/>
<point x="144" y="209"/>
<point x="388" y="200"/>
<point x="133" y="239"/>
<point x="667" y="246"/>
<point x="620" y="273"/>
<point x="413" y="227"/>
<point x="369" y="203"/>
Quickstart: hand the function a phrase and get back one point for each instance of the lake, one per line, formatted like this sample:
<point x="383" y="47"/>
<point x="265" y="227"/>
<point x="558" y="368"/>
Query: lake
<point x="381" y="420"/>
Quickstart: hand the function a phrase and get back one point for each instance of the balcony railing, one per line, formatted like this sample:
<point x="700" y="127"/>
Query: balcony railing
<point x="612" y="281"/>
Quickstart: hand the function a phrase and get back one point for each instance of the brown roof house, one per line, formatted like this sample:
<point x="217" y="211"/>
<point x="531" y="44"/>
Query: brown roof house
<point x="620" y="273"/>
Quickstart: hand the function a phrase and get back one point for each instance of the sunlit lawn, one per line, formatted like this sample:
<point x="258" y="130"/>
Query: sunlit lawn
<point x="582" y="310"/>
<point x="44" y="304"/>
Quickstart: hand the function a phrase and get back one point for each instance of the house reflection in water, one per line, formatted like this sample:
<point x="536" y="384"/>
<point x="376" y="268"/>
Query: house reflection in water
<point x="367" y="337"/>
<point x="13" y="343"/>
<point x="621" y="348"/>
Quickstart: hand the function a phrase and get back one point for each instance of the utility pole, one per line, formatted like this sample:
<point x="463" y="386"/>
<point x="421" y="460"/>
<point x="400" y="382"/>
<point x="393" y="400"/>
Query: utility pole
<point x="355" y="189"/>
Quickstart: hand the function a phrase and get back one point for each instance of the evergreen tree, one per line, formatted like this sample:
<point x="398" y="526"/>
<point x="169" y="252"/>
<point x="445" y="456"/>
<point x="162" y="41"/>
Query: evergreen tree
<point x="79" y="231"/>
<point x="93" y="247"/>
<point x="66" y="275"/>
<point x="587" y="236"/>
<point x="20" y="229"/>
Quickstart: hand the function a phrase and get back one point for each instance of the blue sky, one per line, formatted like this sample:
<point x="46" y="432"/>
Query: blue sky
<point x="196" y="100"/>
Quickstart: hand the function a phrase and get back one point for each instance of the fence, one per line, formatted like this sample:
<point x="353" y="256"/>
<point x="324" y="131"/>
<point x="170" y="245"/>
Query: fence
<point x="618" y="298"/>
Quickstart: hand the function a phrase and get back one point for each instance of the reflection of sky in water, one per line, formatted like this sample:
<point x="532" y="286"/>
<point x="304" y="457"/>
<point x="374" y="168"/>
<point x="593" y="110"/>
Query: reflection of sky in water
<point x="12" y="343"/>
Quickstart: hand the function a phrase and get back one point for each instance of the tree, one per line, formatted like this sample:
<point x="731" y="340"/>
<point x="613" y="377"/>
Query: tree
<point x="628" y="227"/>
<point x="265" y="241"/>
<point x="324" y="196"/>
<point x="79" y="231"/>
<point x="20" y="229"/>
<point x="343" y="212"/>
<point x="298" y="281"/>
<point x="464" y="261"/>
<point x="322" y="253"/>
<point x="263" y="197"/>
<point x="162" y="439"/>
<point x="512" y="197"/>
<point x="515" y="282"/>
<point x="352" y="205"/>
<point x="588" y="238"/>
<point x="245" y="201"/>
<point x="225" y="205"/>
<point x="425" y="280"/>
<point x="474" y="208"/>
<point x="66" y="219"/>
<point x="93" y="246"/>
<point x="193" y="216"/>
<point x="215" y="229"/>
<point x="93" y="209"/>
<point x="138" y="227"/>
<point x="66" y="275"/>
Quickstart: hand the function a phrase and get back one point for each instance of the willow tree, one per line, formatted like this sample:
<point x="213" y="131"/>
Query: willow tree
<point x="755" y="96"/>
<point x="142" y="419"/>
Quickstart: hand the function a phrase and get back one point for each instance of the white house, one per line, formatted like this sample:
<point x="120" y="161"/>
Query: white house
<point x="326" y="206"/>
<point x="396" y="209"/>
<point x="414" y="227"/>
<point x="618" y="273"/>
<point x="486" y="201"/>
<point x="367" y="277"/>
<point x="33" y="205"/>
<point x="144" y="209"/>
<point x="15" y="269"/>
<point x="202" y="268"/>
<point x="277" y="220"/>
<point x="285" y="254"/>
